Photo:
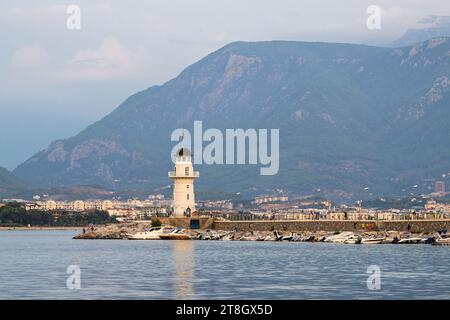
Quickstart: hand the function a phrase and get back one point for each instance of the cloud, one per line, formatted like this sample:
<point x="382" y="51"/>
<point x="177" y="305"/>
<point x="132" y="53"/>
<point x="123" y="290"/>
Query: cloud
<point x="28" y="12"/>
<point x="111" y="60"/>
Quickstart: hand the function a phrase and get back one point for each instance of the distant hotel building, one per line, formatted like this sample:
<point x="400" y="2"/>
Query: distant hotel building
<point x="439" y="187"/>
<point x="131" y="209"/>
<point x="267" y="199"/>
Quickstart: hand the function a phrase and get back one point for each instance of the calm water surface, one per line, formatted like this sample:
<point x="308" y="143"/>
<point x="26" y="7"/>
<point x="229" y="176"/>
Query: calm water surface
<point x="33" y="265"/>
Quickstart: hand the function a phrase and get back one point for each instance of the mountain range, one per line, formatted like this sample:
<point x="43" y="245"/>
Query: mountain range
<point x="355" y="121"/>
<point x="10" y="184"/>
<point x="427" y="28"/>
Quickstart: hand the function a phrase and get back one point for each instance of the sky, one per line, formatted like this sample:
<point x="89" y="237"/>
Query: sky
<point x="54" y="81"/>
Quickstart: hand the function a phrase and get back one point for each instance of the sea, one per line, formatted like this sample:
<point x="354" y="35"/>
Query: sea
<point x="52" y="265"/>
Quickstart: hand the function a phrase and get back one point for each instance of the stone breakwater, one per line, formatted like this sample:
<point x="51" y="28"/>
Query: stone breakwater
<point x="414" y="226"/>
<point x="115" y="231"/>
<point x="120" y="231"/>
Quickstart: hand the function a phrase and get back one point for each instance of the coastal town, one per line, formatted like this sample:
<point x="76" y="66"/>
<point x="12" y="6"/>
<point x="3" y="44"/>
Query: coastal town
<point x="273" y="217"/>
<point x="263" y="207"/>
<point x="260" y="208"/>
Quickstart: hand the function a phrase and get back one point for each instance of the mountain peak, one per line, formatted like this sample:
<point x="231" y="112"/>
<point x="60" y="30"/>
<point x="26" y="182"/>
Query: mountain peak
<point x="334" y="104"/>
<point x="430" y="27"/>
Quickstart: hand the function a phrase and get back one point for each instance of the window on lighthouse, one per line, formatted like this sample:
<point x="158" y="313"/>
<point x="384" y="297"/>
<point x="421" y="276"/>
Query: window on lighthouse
<point x="186" y="171"/>
<point x="187" y="196"/>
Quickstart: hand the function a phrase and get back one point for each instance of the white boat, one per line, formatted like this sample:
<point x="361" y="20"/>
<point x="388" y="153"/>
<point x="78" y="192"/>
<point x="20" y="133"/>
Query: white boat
<point x="410" y="240"/>
<point x="248" y="238"/>
<point x="177" y="234"/>
<point x="227" y="238"/>
<point x="278" y="236"/>
<point x="199" y="237"/>
<point x="353" y="239"/>
<point x="442" y="240"/>
<point x="391" y="240"/>
<point x="150" y="234"/>
<point x="215" y="236"/>
<point x="339" y="238"/>
<point x="373" y="240"/>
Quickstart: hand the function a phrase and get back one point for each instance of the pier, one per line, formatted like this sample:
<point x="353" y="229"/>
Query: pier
<point x="432" y="225"/>
<point x="305" y="229"/>
<point x="334" y="225"/>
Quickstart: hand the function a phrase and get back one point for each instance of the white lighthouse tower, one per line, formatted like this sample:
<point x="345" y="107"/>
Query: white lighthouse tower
<point x="183" y="184"/>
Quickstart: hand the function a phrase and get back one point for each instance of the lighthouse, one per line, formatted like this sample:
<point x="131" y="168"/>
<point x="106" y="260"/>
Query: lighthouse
<point x="183" y="178"/>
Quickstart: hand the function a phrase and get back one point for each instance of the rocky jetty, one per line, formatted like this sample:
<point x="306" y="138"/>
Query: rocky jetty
<point x="120" y="231"/>
<point x="115" y="231"/>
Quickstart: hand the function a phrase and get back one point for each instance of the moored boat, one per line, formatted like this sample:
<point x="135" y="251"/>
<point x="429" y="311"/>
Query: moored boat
<point x="309" y="239"/>
<point x="442" y="239"/>
<point x="353" y="239"/>
<point x="270" y="238"/>
<point x="278" y="236"/>
<point x="339" y="238"/>
<point x="177" y="234"/>
<point x="411" y="240"/>
<point x="248" y="238"/>
<point x="429" y="240"/>
<point x="150" y="234"/>
<point x="390" y="240"/>
<point x="373" y="240"/>
<point x="227" y="237"/>
<point x="442" y="242"/>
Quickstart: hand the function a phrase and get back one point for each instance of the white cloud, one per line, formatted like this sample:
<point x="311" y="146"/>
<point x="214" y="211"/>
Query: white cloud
<point x="28" y="12"/>
<point x="111" y="60"/>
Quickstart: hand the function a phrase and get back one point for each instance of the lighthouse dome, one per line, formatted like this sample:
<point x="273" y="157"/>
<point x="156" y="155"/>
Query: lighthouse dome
<point x="184" y="152"/>
<point x="184" y="155"/>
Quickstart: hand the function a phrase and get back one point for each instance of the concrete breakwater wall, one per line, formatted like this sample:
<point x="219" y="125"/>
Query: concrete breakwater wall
<point x="203" y="223"/>
<point x="418" y="226"/>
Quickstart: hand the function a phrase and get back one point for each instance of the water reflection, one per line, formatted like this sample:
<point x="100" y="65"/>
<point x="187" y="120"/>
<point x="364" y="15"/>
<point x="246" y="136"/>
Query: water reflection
<point x="33" y="266"/>
<point x="183" y="258"/>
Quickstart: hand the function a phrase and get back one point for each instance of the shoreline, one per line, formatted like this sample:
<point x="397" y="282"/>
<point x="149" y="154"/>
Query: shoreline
<point x="39" y="228"/>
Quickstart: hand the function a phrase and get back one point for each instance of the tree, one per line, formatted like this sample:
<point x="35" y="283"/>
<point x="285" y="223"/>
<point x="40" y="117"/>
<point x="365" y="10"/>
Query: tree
<point x="156" y="223"/>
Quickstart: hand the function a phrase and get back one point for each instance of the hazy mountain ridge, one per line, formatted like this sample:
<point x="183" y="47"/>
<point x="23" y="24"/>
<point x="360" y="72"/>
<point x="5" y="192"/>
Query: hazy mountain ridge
<point x="350" y="116"/>
<point x="429" y="27"/>
<point x="10" y="184"/>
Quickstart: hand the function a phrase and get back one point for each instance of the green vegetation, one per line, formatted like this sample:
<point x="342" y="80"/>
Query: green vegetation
<point x="156" y="223"/>
<point x="16" y="215"/>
